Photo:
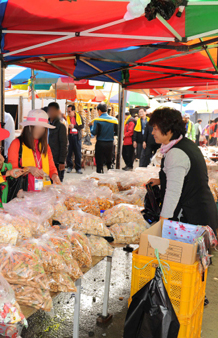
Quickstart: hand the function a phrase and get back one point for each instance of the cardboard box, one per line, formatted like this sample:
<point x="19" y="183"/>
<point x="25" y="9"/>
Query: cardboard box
<point x="170" y="250"/>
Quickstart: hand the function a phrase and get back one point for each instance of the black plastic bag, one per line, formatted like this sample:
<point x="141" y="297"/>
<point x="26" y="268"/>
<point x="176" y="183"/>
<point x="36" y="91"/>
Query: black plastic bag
<point x="15" y="185"/>
<point x="165" y="8"/>
<point x="152" y="204"/>
<point x="151" y="314"/>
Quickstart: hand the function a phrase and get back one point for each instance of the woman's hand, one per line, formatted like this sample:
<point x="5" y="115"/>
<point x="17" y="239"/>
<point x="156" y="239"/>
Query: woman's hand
<point x="135" y="144"/>
<point x="144" y="145"/>
<point x="56" y="180"/>
<point x="154" y="181"/>
<point x="15" y="173"/>
<point x="36" y="172"/>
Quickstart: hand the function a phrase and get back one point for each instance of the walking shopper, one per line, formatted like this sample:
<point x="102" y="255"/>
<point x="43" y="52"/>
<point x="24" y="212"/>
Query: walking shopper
<point x="183" y="177"/>
<point x="149" y="146"/>
<point x="198" y="131"/>
<point x="104" y="127"/>
<point x="75" y="126"/>
<point x="57" y="138"/>
<point x="31" y="151"/>
<point x="139" y="130"/>
<point x="190" y="128"/>
<point x="128" y="150"/>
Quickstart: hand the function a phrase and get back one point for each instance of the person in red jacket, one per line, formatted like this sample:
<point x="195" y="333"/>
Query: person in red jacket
<point x="128" y="149"/>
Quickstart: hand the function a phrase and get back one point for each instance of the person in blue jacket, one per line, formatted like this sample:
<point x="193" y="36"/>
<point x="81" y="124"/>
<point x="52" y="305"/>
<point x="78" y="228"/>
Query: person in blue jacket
<point x="104" y="128"/>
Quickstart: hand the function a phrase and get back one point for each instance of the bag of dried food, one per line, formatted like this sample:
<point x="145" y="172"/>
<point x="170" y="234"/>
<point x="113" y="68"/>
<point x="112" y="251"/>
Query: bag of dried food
<point x="123" y="213"/>
<point x="80" y="247"/>
<point x="87" y="223"/>
<point x="24" y="272"/>
<point x="63" y="248"/>
<point x="99" y="246"/>
<point x="127" y="233"/>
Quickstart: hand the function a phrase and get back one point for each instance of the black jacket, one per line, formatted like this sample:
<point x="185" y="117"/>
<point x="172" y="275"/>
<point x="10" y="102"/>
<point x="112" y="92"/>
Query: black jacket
<point x="58" y="141"/>
<point x="148" y="137"/>
<point x="79" y="129"/>
<point x="196" y="201"/>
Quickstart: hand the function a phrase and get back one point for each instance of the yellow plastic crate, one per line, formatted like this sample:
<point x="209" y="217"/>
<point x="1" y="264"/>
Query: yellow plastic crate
<point x="185" y="287"/>
<point x="190" y="327"/>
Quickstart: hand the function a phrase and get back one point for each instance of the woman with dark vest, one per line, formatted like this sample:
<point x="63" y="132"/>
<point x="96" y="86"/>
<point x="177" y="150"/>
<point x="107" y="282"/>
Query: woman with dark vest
<point x="183" y="177"/>
<point x="32" y="152"/>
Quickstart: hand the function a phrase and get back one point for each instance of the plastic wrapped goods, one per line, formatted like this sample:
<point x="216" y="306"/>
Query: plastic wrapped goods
<point x="100" y="247"/>
<point x="80" y="247"/>
<point x="87" y="223"/>
<point x="133" y="196"/>
<point x="123" y="213"/>
<point x="11" y="318"/>
<point x="21" y="224"/>
<point x="51" y="260"/>
<point x="60" y="282"/>
<point x="63" y="247"/>
<point x="127" y="233"/>
<point x="8" y="234"/>
<point x="25" y="273"/>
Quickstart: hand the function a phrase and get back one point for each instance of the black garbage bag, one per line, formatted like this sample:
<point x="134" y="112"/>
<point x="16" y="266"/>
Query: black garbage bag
<point x="165" y="8"/>
<point x="151" y="314"/>
<point x="152" y="204"/>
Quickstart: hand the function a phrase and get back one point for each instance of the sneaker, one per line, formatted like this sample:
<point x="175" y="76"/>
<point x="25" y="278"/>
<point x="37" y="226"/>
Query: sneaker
<point x="69" y="170"/>
<point x="79" y="171"/>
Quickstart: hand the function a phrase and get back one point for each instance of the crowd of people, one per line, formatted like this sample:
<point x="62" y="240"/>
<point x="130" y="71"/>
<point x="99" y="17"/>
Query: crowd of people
<point x="51" y="141"/>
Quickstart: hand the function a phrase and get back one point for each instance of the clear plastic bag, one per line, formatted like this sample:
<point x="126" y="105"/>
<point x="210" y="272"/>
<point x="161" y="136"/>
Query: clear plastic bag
<point x="99" y="246"/>
<point x="80" y="247"/>
<point x="51" y="260"/>
<point x="8" y="233"/>
<point x="26" y="275"/>
<point x="37" y="212"/>
<point x="60" y="282"/>
<point x="21" y="224"/>
<point x="123" y="213"/>
<point x="127" y="233"/>
<point x="11" y="318"/>
<point x="63" y="248"/>
<point x="87" y="223"/>
<point x="133" y="196"/>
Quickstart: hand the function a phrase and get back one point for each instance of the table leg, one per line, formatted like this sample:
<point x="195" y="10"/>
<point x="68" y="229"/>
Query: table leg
<point x="77" y="309"/>
<point x="105" y="317"/>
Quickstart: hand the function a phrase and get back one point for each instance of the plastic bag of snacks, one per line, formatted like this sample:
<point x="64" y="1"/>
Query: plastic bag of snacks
<point x="104" y="198"/>
<point x="99" y="246"/>
<point x="60" y="282"/>
<point x="25" y="273"/>
<point x="127" y="233"/>
<point x="51" y="260"/>
<point x="135" y="195"/>
<point x="87" y="223"/>
<point x="8" y="233"/>
<point x="63" y="247"/>
<point x="109" y="182"/>
<point x="22" y="225"/>
<point x="11" y="318"/>
<point x="59" y="207"/>
<point x="123" y="213"/>
<point x="80" y="247"/>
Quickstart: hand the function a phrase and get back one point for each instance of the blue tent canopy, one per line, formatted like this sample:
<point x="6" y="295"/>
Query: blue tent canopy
<point x="41" y="77"/>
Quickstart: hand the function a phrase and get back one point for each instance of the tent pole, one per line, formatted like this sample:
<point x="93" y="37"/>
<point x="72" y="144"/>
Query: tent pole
<point x="32" y="88"/>
<point x="122" y="107"/>
<point x="2" y="91"/>
<point x="55" y="92"/>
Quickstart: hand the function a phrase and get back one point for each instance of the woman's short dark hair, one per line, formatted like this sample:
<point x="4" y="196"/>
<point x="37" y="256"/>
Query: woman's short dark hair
<point x="168" y="119"/>
<point x="26" y="137"/>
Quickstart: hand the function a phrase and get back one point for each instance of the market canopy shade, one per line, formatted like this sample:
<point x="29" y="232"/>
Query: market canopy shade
<point x="161" y="60"/>
<point x="202" y="106"/>
<point x="133" y="99"/>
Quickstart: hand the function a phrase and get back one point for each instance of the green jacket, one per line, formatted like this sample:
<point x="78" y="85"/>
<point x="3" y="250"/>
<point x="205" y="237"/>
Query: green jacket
<point x="4" y="186"/>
